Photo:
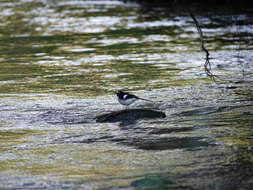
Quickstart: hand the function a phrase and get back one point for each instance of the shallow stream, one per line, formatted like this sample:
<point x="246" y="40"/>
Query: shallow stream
<point x="61" y="62"/>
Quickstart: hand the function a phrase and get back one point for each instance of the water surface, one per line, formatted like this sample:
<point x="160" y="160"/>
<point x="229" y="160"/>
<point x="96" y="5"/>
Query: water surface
<point x="61" y="62"/>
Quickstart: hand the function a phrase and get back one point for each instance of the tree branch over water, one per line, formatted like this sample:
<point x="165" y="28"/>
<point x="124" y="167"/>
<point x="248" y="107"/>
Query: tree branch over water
<point x="207" y="64"/>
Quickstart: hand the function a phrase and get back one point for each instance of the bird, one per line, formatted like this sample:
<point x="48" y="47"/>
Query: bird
<point x="126" y="98"/>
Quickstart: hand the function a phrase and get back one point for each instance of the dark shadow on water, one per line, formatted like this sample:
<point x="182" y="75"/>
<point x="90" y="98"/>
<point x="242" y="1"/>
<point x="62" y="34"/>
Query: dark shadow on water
<point x="158" y="131"/>
<point x="166" y="143"/>
<point x="143" y="142"/>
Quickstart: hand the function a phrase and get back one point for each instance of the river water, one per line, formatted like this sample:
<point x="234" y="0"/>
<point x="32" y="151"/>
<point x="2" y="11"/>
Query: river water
<point x="61" y="62"/>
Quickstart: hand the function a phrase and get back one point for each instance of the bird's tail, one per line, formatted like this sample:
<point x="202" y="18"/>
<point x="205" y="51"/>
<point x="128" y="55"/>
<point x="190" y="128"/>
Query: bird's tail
<point x="145" y="99"/>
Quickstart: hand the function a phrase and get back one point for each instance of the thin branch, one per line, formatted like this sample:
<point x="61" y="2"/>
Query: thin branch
<point x="207" y="64"/>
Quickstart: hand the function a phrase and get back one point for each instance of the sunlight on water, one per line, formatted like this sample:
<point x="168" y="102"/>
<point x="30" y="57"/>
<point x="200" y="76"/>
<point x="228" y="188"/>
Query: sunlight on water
<point x="67" y="39"/>
<point x="61" y="62"/>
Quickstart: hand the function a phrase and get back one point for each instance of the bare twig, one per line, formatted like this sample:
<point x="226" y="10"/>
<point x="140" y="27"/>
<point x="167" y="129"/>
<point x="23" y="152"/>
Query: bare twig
<point x="207" y="64"/>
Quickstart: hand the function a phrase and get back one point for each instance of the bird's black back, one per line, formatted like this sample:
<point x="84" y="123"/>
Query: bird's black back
<point x="125" y="95"/>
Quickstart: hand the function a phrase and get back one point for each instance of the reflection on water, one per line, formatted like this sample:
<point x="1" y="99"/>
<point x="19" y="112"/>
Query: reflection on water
<point x="72" y="48"/>
<point x="61" y="62"/>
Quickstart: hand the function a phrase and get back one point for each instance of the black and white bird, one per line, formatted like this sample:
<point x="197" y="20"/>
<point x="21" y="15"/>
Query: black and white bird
<point x="126" y="99"/>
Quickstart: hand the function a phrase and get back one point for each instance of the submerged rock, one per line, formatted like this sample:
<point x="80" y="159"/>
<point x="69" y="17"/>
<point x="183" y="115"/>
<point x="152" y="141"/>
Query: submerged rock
<point x="130" y="115"/>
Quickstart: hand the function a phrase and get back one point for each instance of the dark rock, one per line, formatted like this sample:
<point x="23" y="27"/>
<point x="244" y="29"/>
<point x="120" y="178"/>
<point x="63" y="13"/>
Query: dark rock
<point x="129" y="115"/>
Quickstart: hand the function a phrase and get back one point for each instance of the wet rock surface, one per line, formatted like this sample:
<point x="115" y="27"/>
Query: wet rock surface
<point x="130" y="115"/>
